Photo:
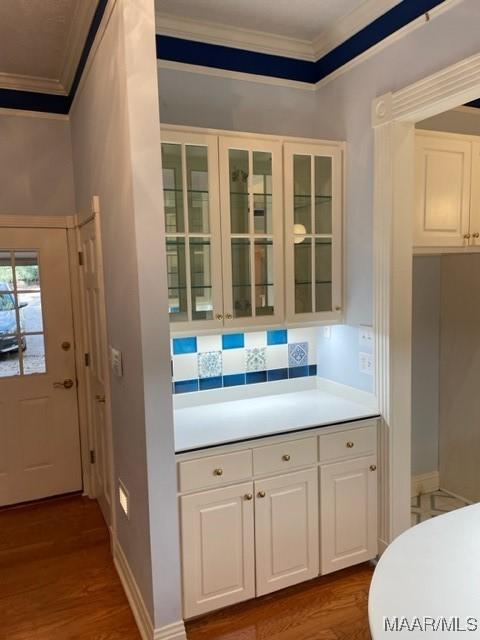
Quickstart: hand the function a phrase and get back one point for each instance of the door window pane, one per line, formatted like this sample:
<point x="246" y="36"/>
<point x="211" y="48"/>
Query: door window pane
<point x="173" y="188"/>
<point x="303" y="276"/>
<point x="177" y="279"/>
<point x="302" y="194"/>
<point x="27" y="272"/>
<point x="242" y="291"/>
<point x="238" y="166"/>
<point x="9" y="361"/>
<point x="34" y="354"/>
<point x="6" y="270"/>
<point x="30" y="309"/>
<point x="197" y="188"/>
<point x="323" y="274"/>
<point x="323" y="195"/>
<point x="262" y="192"/>
<point x="264" y="302"/>
<point x="201" y="279"/>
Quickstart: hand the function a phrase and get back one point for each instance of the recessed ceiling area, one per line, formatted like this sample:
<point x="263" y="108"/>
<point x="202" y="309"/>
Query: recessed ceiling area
<point x="299" y="19"/>
<point x="41" y="42"/>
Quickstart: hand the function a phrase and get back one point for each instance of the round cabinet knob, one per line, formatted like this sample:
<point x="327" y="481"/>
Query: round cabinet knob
<point x="218" y="472"/>
<point x="337" y="308"/>
<point x="349" y="444"/>
<point x="219" y="316"/>
<point x="228" y="316"/>
<point x="286" y="457"/>
<point x="373" y="467"/>
<point x="476" y="235"/>
<point x="261" y="494"/>
<point x="248" y="496"/>
<point x="466" y="236"/>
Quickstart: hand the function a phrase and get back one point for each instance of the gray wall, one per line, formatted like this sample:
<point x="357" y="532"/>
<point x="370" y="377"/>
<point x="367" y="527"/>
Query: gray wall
<point x="453" y="121"/>
<point x="116" y="151"/>
<point x="36" y="173"/>
<point x="425" y="363"/>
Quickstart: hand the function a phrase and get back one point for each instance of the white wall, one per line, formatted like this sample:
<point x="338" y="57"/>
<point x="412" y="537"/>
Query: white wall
<point x="425" y="363"/>
<point x="116" y="151"/>
<point x="454" y="121"/>
<point x="35" y="166"/>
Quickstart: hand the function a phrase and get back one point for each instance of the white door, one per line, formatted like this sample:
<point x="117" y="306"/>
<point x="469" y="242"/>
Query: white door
<point x="217" y="548"/>
<point x="348" y="508"/>
<point x="39" y="431"/>
<point x="96" y="363"/>
<point x="286" y="530"/>
<point x="443" y="176"/>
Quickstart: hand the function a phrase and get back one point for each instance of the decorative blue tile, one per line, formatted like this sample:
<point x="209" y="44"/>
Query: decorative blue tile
<point x="256" y="376"/>
<point x="210" y="383"/>
<point x="256" y="358"/>
<point x="184" y="345"/>
<point x="185" y="386"/>
<point x="298" y="354"/>
<point x="233" y="341"/>
<point x="234" y="380"/>
<point x="277" y="336"/>
<point x="312" y="369"/>
<point x="209" y="364"/>
<point x="277" y="374"/>
<point x="298" y="372"/>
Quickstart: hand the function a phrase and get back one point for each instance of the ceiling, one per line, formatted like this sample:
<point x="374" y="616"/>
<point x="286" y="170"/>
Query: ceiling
<point x="41" y="42"/>
<point x="299" y="19"/>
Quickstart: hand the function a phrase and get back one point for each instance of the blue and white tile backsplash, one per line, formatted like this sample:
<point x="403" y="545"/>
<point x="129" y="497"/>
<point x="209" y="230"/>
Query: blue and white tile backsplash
<point x="212" y="362"/>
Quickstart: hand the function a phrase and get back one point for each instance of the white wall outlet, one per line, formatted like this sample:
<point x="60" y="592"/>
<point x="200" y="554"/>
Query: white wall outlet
<point x="327" y="332"/>
<point x="116" y="362"/>
<point x="366" y="362"/>
<point x="365" y="336"/>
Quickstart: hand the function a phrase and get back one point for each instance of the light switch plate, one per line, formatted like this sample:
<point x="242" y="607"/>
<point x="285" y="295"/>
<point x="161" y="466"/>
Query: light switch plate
<point x="116" y="362"/>
<point x="365" y="336"/>
<point x="326" y="332"/>
<point x="366" y="363"/>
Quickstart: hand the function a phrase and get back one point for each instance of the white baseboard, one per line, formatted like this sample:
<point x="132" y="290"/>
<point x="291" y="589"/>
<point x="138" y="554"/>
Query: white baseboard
<point x="425" y="483"/>
<point x="175" y="631"/>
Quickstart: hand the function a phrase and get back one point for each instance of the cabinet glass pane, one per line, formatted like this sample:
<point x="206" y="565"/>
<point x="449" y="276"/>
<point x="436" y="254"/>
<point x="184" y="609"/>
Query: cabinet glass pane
<point x="241" y="282"/>
<point x="323" y="274"/>
<point x="264" y="303"/>
<point x="197" y="188"/>
<point x="262" y="192"/>
<point x="302" y="195"/>
<point x="238" y="165"/>
<point x="173" y="188"/>
<point x="323" y="195"/>
<point x="201" y="279"/>
<point x="303" y="276"/>
<point x="177" y="280"/>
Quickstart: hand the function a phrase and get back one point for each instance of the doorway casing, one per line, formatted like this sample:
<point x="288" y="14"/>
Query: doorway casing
<point x="393" y="118"/>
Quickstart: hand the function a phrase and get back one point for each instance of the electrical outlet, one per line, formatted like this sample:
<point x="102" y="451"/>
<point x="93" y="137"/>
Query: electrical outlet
<point x="327" y="332"/>
<point x="116" y="362"/>
<point x="366" y="363"/>
<point x="365" y="337"/>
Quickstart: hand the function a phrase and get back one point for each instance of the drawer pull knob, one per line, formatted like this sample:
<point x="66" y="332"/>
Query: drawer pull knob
<point x="286" y="457"/>
<point x="218" y="472"/>
<point x="261" y="494"/>
<point x="349" y="444"/>
<point x="248" y="496"/>
<point x="373" y="467"/>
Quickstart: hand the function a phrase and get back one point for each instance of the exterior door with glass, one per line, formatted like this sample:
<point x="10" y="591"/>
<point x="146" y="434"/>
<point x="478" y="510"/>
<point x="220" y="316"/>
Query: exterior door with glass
<point x="39" y="430"/>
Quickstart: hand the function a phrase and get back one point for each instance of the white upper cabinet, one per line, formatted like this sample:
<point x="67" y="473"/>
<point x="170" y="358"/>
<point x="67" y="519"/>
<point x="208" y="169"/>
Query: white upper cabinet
<point x="443" y="177"/>
<point x="252" y="231"/>
<point x="192" y="220"/>
<point x="313" y="231"/>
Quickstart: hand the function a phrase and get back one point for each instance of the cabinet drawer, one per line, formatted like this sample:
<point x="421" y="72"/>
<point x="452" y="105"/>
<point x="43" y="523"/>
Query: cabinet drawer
<point x="285" y="456"/>
<point x="214" y="471"/>
<point x="348" y="444"/>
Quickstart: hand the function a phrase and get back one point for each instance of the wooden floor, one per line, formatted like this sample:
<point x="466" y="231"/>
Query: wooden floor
<point x="58" y="582"/>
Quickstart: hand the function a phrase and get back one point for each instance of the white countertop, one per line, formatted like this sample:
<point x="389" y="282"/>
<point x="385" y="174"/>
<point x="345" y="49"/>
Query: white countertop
<point x="209" y="418"/>
<point x="432" y="570"/>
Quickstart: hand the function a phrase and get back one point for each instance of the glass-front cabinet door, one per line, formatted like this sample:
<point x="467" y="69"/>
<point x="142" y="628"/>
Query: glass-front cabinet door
<point x="251" y="201"/>
<point x="192" y="229"/>
<point x="313" y="231"/>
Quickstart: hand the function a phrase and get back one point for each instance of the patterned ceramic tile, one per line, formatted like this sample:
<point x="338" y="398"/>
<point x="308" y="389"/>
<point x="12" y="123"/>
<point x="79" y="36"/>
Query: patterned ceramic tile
<point x="298" y="354"/>
<point x="256" y="359"/>
<point x="209" y="364"/>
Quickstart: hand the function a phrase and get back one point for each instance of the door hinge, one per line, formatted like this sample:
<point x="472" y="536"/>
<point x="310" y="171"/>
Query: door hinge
<point x="87" y="359"/>
<point x="92" y="456"/>
<point x="80" y="258"/>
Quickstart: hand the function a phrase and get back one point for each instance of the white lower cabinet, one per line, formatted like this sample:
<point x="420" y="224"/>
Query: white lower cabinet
<point x="218" y="548"/>
<point x="286" y="530"/>
<point x="348" y="512"/>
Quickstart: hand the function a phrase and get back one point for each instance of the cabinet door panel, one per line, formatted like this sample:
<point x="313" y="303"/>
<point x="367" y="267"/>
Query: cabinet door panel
<point x="217" y="548"/>
<point x="348" y="513"/>
<point x="286" y="530"/>
<point x="443" y="174"/>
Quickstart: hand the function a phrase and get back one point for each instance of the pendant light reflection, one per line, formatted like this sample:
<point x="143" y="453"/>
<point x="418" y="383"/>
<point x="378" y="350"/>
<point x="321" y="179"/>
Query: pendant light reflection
<point x="299" y="232"/>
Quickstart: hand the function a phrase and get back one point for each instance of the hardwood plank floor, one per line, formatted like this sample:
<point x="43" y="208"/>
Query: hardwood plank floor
<point x="57" y="578"/>
<point x="333" y="607"/>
